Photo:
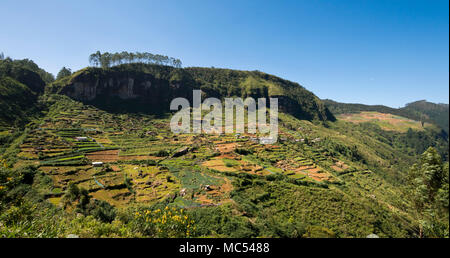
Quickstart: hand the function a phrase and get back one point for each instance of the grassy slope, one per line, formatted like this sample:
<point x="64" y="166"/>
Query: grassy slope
<point x="420" y="111"/>
<point x="385" y="121"/>
<point x="364" y="196"/>
<point x="438" y="113"/>
<point x="366" y="199"/>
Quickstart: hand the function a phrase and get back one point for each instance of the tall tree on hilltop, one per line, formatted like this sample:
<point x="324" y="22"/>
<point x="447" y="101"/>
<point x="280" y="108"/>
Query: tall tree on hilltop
<point x="94" y="59"/>
<point x="107" y="59"/>
<point x="63" y="73"/>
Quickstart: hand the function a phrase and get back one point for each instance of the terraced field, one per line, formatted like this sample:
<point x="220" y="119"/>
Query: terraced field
<point x="143" y="163"/>
<point x="138" y="166"/>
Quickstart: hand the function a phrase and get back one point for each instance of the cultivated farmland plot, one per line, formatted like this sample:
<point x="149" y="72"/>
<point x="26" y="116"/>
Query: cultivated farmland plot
<point x="135" y="160"/>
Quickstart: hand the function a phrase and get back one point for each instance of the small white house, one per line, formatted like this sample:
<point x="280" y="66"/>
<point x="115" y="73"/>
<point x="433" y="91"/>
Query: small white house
<point x="97" y="163"/>
<point x="81" y="139"/>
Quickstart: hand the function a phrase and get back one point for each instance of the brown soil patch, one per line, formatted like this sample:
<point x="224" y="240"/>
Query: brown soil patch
<point x="136" y="157"/>
<point x="312" y="171"/>
<point x="219" y="193"/>
<point x="105" y="156"/>
<point x="336" y="168"/>
<point x="203" y="199"/>
<point x="226" y="147"/>
<point x="304" y="167"/>
<point x="113" y="155"/>
<point x="318" y="177"/>
<point x="339" y="166"/>
<point x="115" y="168"/>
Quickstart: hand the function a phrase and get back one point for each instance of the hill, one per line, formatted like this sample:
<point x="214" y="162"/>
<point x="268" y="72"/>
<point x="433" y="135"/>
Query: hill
<point x="386" y="121"/>
<point x="150" y="88"/>
<point x="26" y="72"/>
<point x="438" y="113"/>
<point x="17" y="102"/>
<point x="21" y="81"/>
<point x="322" y="178"/>
<point x="308" y="177"/>
<point x="420" y="111"/>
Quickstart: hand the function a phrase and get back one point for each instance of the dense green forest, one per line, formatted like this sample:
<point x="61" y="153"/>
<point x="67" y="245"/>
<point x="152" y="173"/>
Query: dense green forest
<point x="20" y="83"/>
<point x="18" y="69"/>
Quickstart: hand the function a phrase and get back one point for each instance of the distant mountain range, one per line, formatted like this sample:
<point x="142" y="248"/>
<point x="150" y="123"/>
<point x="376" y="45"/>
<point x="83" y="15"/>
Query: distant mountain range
<point x="421" y="110"/>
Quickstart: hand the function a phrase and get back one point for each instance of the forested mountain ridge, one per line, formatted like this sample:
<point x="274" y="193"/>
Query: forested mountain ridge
<point x="17" y="101"/>
<point x="419" y="110"/>
<point x="21" y="81"/>
<point x="20" y="67"/>
<point x="141" y="87"/>
<point x="438" y="113"/>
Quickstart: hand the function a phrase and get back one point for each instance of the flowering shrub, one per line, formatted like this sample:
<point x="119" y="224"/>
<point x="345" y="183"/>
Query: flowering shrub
<point x="3" y="163"/>
<point x="169" y="222"/>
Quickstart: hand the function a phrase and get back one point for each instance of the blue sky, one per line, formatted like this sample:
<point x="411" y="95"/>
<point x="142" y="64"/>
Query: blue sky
<point x="374" y="52"/>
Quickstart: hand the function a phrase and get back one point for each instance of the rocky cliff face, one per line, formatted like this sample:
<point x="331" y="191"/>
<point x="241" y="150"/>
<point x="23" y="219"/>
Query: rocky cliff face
<point x="127" y="87"/>
<point x="126" y="91"/>
<point x="123" y="88"/>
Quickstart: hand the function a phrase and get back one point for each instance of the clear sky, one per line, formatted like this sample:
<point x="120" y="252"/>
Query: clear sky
<point x="387" y="52"/>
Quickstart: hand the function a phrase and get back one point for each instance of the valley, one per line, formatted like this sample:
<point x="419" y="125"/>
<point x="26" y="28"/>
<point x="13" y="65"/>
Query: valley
<point x="105" y="173"/>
